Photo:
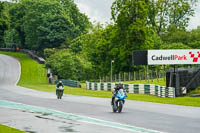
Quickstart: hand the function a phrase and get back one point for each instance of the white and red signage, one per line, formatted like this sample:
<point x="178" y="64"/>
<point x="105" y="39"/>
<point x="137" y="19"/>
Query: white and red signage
<point x="163" y="57"/>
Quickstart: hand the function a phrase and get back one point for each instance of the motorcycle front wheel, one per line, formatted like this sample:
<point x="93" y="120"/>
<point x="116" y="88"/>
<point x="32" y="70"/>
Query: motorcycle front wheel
<point x="57" y="94"/>
<point x="114" y="106"/>
<point x="120" y="106"/>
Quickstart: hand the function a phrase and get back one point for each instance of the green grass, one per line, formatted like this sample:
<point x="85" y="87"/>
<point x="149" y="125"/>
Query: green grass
<point x="34" y="76"/>
<point x="196" y="91"/>
<point x="32" y="73"/>
<point x="187" y="101"/>
<point x="6" y="129"/>
<point x="160" y="81"/>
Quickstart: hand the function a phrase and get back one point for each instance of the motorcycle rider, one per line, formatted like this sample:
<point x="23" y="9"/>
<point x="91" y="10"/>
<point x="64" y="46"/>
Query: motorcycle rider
<point x="116" y="89"/>
<point x="58" y="85"/>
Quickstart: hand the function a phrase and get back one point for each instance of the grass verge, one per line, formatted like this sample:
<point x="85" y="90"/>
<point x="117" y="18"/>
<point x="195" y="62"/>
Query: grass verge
<point x="6" y="129"/>
<point x="33" y="76"/>
<point x="160" y="81"/>
<point x="32" y="73"/>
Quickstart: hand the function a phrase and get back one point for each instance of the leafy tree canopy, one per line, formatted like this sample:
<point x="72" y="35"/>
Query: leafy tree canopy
<point x="3" y="21"/>
<point x="67" y="65"/>
<point x="47" y="23"/>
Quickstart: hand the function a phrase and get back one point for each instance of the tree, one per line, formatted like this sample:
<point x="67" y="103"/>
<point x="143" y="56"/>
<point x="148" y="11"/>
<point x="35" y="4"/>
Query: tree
<point x="16" y="13"/>
<point x="49" y="51"/>
<point x="11" y="37"/>
<point x="180" y="11"/>
<point x="3" y="22"/>
<point x="67" y="65"/>
<point x="63" y="64"/>
<point x="47" y="23"/>
<point x="165" y="13"/>
<point x="175" y="46"/>
<point x="194" y="39"/>
<point x="131" y="18"/>
<point x="188" y="38"/>
<point x="76" y="44"/>
<point x="79" y="19"/>
<point x="174" y="35"/>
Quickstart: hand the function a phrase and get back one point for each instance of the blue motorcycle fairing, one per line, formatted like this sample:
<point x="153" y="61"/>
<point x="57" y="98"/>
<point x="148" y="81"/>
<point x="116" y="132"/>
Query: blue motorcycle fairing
<point x="121" y="96"/>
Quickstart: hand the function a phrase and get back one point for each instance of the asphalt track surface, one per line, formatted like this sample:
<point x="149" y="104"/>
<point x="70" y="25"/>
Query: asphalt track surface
<point x="40" y="112"/>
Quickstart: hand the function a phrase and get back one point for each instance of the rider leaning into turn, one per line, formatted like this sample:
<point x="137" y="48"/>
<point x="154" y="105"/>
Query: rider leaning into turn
<point x="116" y="89"/>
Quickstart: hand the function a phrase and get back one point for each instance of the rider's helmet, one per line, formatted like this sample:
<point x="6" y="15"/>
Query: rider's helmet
<point x="60" y="82"/>
<point x="121" y="84"/>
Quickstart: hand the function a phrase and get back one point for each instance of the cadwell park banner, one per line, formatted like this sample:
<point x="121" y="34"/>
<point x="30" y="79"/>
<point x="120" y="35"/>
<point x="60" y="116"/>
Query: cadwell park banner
<point x="163" y="57"/>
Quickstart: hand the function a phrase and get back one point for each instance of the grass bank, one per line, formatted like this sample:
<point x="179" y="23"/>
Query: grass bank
<point x="32" y="73"/>
<point x="160" y="81"/>
<point x="33" y="76"/>
<point x="6" y="129"/>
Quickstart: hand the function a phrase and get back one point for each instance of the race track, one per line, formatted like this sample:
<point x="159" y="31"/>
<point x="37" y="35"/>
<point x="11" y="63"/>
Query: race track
<point x="41" y="112"/>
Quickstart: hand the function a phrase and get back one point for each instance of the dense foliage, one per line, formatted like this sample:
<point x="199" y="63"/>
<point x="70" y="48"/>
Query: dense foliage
<point x="41" y="24"/>
<point x="76" y="49"/>
<point x="3" y="21"/>
<point x="67" y="65"/>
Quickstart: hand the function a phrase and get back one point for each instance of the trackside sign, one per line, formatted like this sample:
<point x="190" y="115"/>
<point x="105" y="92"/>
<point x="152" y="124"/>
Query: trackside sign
<point x="163" y="57"/>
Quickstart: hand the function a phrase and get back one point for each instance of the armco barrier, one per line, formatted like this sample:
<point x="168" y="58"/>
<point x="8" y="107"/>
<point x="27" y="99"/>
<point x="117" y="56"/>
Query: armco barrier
<point x="33" y="56"/>
<point x="28" y="52"/>
<point x="155" y="90"/>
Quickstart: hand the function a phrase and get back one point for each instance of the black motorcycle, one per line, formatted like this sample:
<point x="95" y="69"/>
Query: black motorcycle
<point x="59" y="92"/>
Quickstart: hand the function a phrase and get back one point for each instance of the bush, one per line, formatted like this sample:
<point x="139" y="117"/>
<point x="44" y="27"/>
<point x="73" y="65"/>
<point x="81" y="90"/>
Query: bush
<point x="67" y="65"/>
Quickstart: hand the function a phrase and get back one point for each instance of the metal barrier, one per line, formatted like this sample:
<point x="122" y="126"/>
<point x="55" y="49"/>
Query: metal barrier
<point x="40" y="60"/>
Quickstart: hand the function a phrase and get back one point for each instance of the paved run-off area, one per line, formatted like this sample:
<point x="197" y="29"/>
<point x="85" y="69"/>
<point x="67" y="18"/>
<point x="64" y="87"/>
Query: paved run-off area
<point x="41" y="112"/>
